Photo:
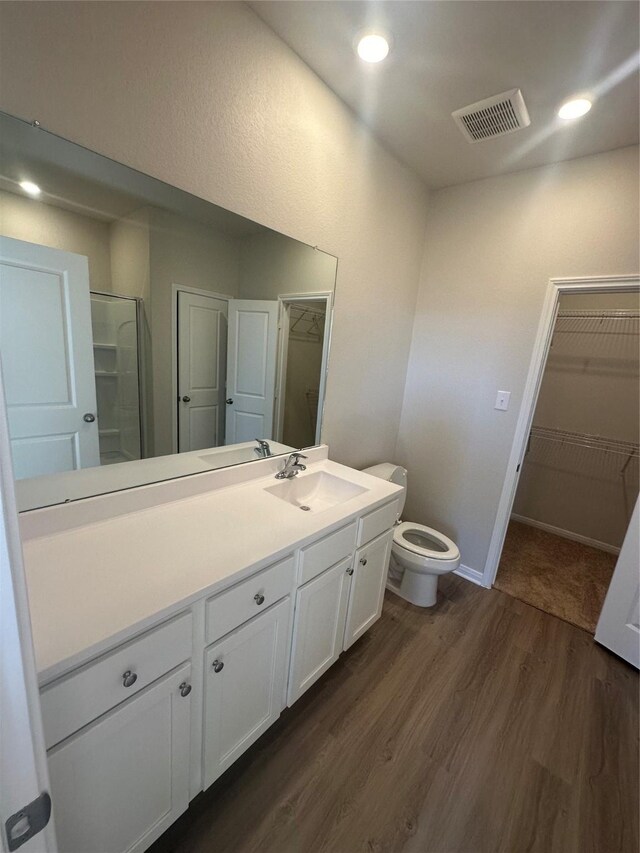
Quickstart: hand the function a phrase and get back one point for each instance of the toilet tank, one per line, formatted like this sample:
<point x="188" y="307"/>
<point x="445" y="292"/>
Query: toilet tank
<point x="393" y="474"/>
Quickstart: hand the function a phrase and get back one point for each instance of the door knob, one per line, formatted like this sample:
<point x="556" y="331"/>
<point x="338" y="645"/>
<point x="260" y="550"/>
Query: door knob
<point x="217" y="665"/>
<point x="89" y="417"/>
<point x="349" y="571"/>
<point x="129" y="678"/>
<point x="184" y="689"/>
<point x="363" y="561"/>
<point x="186" y="399"/>
<point x="229" y="401"/>
<point x="258" y="598"/>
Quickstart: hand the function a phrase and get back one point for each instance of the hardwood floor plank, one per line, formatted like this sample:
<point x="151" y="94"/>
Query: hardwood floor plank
<point x="482" y="725"/>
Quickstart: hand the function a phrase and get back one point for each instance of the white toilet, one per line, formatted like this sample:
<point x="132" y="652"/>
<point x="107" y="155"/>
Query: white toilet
<point x="419" y="554"/>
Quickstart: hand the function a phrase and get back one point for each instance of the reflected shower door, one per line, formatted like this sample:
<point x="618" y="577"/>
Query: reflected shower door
<point x="116" y="351"/>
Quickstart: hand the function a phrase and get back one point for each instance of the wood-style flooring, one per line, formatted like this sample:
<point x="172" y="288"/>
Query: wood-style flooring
<point x="482" y="725"/>
<point x="561" y="577"/>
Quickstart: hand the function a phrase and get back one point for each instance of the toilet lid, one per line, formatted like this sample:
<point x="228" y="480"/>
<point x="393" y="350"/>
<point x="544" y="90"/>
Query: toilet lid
<point x="425" y="541"/>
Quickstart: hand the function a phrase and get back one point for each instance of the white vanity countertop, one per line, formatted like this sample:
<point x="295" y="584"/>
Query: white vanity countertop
<point x="93" y="586"/>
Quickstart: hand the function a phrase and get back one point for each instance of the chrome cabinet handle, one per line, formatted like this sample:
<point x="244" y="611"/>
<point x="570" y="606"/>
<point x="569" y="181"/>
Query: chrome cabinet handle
<point x="129" y="678"/>
<point x="184" y="689"/>
<point x="259" y="599"/>
<point x="186" y="399"/>
<point x="217" y="665"/>
<point x="349" y="571"/>
<point x="363" y="561"/>
<point x="229" y="401"/>
<point x="89" y="418"/>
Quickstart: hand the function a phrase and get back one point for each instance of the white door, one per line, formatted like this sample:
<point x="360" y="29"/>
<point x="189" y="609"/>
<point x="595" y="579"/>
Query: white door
<point x="251" y="369"/>
<point x="370" y="564"/>
<point x="202" y="369"/>
<point x="318" y="632"/>
<point x="120" y="782"/>
<point x="245" y="683"/>
<point x="23" y="762"/>
<point x="619" y="623"/>
<point x="47" y="359"/>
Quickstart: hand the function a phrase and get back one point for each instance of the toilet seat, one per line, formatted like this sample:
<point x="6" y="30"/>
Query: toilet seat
<point x="425" y="542"/>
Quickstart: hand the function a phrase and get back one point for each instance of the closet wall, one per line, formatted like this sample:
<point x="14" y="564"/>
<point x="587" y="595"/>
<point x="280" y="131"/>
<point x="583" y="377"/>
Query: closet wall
<point x="581" y="472"/>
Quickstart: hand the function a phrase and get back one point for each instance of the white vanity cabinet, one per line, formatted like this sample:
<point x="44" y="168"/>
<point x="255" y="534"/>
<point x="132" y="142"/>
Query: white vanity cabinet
<point x="118" y="783"/>
<point x="318" y="631"/>
<point x="135" y="732"/>
<point x="118" y="734"/>
<point x="370" y="566"/>
<point x="245" y="669"/>
<point x="245" y="679"/>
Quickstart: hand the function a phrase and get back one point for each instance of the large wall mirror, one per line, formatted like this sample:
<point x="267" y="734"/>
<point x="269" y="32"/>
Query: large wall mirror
<point x="145" y="333"/>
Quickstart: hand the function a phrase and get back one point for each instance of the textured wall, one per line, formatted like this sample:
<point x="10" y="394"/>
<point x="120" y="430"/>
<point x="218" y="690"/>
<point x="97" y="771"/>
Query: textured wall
<point x="492" y="247"/>
<point x="206" y="97"/>
<point x="30" y="220"/>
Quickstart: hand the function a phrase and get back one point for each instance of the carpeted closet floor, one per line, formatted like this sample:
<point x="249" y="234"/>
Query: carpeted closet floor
<point x="564" y="578"/>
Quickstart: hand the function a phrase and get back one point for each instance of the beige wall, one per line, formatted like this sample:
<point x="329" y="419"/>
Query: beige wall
<point x="206" y="97"/>
<point x="271" y="264"/>
<point x="491" y="248"/>
<point x="31" y="220"/>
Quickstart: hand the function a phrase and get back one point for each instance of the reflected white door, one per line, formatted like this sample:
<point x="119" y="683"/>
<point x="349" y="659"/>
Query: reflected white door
<point x="251" y="369"/>
<point x="619" y="623"/>
<point x="47" y="358"/>
<point x="202" y="368"/>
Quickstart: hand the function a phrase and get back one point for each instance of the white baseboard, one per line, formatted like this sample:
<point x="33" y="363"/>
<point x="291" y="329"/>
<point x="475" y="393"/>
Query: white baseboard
<point x="566" y="534"/>
<point x="469" y="574"/>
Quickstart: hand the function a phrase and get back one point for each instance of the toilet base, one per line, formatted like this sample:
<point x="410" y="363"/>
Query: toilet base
<point x="417" y="588"/>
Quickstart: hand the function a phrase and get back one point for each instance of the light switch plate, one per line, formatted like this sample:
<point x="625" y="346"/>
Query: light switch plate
<point x="502" y="400"/>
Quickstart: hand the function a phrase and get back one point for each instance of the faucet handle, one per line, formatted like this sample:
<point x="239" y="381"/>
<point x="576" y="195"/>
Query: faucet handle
<point x="296" y="457"/>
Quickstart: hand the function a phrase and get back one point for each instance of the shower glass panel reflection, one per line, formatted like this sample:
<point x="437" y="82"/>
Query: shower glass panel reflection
<point x="114" y="321"/>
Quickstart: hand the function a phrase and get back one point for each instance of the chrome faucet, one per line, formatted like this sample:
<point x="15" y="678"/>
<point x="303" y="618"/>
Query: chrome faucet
<point x="292" y="467"/>
<point x="262" y="450"/>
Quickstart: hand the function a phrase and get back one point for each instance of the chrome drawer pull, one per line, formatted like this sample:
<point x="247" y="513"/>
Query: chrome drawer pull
<point x="259" y="599"/>
<point x="363" y="561"/>
<point x="349" y="571"/>
<point x="217" y="665"/>
<point x="129" y="678"/>
<point x="185" y="689"/>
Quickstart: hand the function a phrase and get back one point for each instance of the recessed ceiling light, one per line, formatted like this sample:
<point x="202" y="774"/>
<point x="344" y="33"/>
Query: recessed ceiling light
<point x="30" y="188"/>
<point x="373" y="47"/>
<point x="575" y="108"/>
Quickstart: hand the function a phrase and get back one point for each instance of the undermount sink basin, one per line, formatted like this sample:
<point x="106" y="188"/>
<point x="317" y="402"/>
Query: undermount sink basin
<point x="315" y="492"/>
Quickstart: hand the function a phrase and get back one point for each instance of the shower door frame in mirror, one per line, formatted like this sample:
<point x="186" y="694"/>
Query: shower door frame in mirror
<point x="142" y="418"/>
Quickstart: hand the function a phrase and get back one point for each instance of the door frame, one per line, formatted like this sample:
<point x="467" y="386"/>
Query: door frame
<point x="284" y="300"/>
<point x="198" y="291"/>
<point x="555" y="288"/>
<point x="142" y="397"/>
<point x="23" y="759"/>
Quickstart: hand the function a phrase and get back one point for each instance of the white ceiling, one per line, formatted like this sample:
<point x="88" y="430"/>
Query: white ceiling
<point x="448" y="54"/>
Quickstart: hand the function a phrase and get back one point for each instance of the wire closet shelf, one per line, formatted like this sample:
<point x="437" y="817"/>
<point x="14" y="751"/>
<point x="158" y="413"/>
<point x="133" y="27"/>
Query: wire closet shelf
<point x="611" y="322"/>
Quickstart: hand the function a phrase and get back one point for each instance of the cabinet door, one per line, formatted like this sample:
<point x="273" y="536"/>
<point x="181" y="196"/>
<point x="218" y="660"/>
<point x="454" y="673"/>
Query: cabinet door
<point x="245" y="682"/>
<point x="118" y="783"/>
<point x="321" y="611"/>
<point x="371" y="564"/>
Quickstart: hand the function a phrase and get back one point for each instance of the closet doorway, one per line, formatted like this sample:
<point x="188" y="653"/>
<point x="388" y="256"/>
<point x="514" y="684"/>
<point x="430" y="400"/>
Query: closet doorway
<point x="580" y="472"/>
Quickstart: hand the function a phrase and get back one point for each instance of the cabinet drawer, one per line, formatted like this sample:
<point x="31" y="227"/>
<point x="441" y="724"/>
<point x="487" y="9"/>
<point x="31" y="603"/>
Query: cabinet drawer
<point x="78" y="698"/>
<point x="374" y="523"/>
<point x="248" y="598"/>
<point x="326" y="552"/>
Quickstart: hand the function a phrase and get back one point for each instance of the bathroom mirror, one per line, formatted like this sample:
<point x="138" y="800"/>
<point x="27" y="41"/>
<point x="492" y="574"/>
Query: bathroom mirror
<point x="145" y="333"/>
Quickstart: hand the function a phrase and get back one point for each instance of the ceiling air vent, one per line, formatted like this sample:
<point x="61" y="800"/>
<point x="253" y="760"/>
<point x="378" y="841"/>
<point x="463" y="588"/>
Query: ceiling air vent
<point x="496" y="116"/>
